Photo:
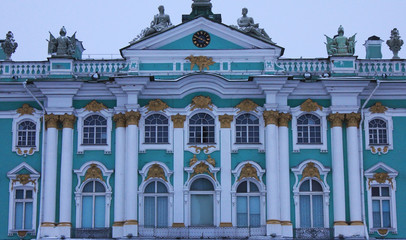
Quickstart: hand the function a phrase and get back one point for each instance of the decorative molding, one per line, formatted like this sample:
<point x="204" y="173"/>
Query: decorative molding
<point x="380" y="178"/>
<point x="336" y="119"/>
<point x="23" y="179"/>
<point x="202" y="168"/>
<point x="201" y="61"/>
<point x="68" y="121"/>
<point x="211" y="160"/>
<point x="25" y="151"/>
<point x="352" y="119"/>
<point x="248" y="171"/>
<point x="378" y="108"/>
<point x="51" y="121"/>
<point x="193" y="160"/>
<point x="131" y="222"/>
<point x="284" y="119"/>
<point x="273" y="221"/>
<point x="178" y="120"/>
<point x="226" y="120"/>
<point x="205" y="149"/>
<point x="120" y="120"/>
<point x="95" y="106"/>
<point x="156" y="106"/>
<point x="247" y="105"/>
<point x="310" y="106"/>
<point x="94" y="172"/>
<point x="178" y="225"/>
<point x="201" y="102"/>
<point x="271" y="117"/>
<point x="132" y="118"/>
<point x="383" y="232"/>
<point x="310" y="171"/>
<point x="156" y="171"/>
<point x="226" y="224"/>
<point x="379" y="150"/>
<point x="25" y="109"/>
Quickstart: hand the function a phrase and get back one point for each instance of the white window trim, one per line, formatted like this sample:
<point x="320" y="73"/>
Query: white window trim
<point x="322" y="114"/>
<point x="82" y="114"/>
<point x="17" y="119"/>
<point x="80" y="173"/>
<point x="298" y="171"/>
<point x="370" y="182"/>
<point x="16" y="184"/>
<point x="155" y="146"/>
<point x="259" y="146"/>
<point x="384" y="148"/>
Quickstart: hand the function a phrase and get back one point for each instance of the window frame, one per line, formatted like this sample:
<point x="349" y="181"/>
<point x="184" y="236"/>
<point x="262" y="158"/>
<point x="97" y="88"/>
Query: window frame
<point x="237" y="146"/>
<point x="308" y="129"/>
<point x="17" y="120"/>
<point x="202" y="192"/>
<point x="143" y="147"/>
<point x="155" y="195"/>
<point x="379" y="148"/>
<point x="93" y="194"/>
<point x="202" y="131"/>
<point x="311" y="194"/>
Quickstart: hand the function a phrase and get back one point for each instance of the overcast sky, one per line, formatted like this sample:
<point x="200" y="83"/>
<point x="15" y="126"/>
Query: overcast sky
<point x="105" y="26"/>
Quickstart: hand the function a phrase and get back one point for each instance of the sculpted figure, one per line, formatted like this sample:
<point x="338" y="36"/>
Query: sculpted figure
<point x="246" y="24"/>
<point x="161" y="21"/>
<point x="9" y="45"/>
<point x="395" y="43"/>
<point x="63" y="45"/>
<point x="340" y="45"/>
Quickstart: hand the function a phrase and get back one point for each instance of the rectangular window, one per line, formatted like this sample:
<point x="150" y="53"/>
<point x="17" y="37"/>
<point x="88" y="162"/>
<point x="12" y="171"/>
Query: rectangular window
<point x="381" y="213"/>
<point x="23" y="209"/>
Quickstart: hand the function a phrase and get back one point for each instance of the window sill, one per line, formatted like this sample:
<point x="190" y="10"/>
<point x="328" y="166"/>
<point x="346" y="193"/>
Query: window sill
<point x="89" y="145"/>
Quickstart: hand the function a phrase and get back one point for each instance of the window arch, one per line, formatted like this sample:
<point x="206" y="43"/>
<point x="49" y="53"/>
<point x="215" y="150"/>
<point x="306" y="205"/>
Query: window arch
<point x="311" y="204"/>
<point x="201" y="128"/>
<point x="247" y="128"/>
<point x="156" y="129"/>
<point x="26" y="133"/>
<point x="202" y="202"/>
<point x="308" y="129"/>
<point x="93" y="205"/>
<point x="95" y="130"/>
<point x="378" y="132"/>
<point x="248" y="204"/>
<point x="156" y="204"/>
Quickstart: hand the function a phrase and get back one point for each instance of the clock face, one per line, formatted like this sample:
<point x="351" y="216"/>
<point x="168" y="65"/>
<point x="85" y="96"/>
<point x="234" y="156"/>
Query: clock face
<point x="201" y="39"/>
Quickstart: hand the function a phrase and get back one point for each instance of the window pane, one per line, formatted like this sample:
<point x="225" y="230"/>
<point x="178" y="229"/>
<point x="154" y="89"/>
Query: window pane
<point x="99" y="187"/>
<point x="316" y="187"/>
<point x="150" y="188"/>
<point x="253" y="187"/>
<point x="376" y="214"/>
<point x="28" y="216"/>
<point x="242" y="188"/>
<point x="28" y="194"/>
<point x="149" y="211"/>
<point x="385" y="191"/>
<point x="305" y="221"/>
<point x="19" y="215"/>
<point x="87" y="211"/>
<point x="99" y="212"/>
<point x="386" y="214"/>
<point x="318" y="220"/>
<point x="88" y="187"/>
<point x="161" y="188"/>
<point x="305" y="187"/>
<point x="202" y="210"/>
<point x="242" y="212"/>
<point x="255" y="215"/>
<point x="162" y="205"/>
<point x="20" y="194"/>
<point x="375" y="191"/>
<point x="202" y="184"/>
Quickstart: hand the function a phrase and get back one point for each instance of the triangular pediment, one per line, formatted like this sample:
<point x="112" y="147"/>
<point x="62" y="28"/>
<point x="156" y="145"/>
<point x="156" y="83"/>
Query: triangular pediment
<point x="22" y="168"/>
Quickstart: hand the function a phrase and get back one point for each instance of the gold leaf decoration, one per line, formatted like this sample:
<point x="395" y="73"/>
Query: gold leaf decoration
<point x="380" y="178"/>
<point x="201" y="102"/>
<point x="225" y="120"/>
<point x="271" y="117"/>
<point x="25" y="109"/>
<point x="336" y="119"/>
<point x="310" y="106"/>
<point x="310" y="171"/>
<point x="193" y="160"/>
<point x="95" y="106"/>
<point x="178" y="120"/>
<point x="201" y="61"/>
<point x="378" y="108"/>
<point x="132" y="118"/>
<point x="202" y="168"/>
<point x="211" y="160"/>
<point x="284" y="119"/>
<point x="248" y="171"/>
<point x="156" y="106"/>
<point x="156" y="171"/>
<point x="352" y="119"/>
<point x="94" y="172"/>
<point x="205" y="148"/>
<point x="247" y="105"/>
<point x="23" y="179"/>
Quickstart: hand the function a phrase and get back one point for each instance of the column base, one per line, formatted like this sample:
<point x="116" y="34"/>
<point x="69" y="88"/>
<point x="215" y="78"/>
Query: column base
<point x="118" y="229"/>
<point x="226" y="224"/>
<point x="130" y="228"/>
<point x="273" y="228"/>
<point x="178" y="225"/>
<point x="64" y="230"/>
<point x="346" y="231"/>
<point x="48" y="230"/>
<point x="287" y="229"/>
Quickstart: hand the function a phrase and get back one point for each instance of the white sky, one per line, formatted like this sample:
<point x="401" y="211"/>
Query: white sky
<point x="105" y="26"/>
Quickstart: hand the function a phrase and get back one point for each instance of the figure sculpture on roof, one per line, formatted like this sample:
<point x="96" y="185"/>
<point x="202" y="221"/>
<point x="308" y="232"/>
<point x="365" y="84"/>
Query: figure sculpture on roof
<point x="63" y="45"/>
<point x="9" y="45"/>
<point x="340" y="45"/>
<point x="247" y="24"/>
<point x="161" y="22"/>
<point x="395" y="43"/>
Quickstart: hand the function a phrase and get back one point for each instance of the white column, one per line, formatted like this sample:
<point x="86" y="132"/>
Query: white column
<point x="50" y="172"/>
<point x="284" y="171"/>
<point x="272" y="173"/>
<point x="225" y="154"/>
<point x="131" y="174"/>
<point x="354" y="168"/>
<point x="119" y="179"/>
<point x="337" y="156"/>
<point x="178" y="160"/>
<point x="65" y="201"/>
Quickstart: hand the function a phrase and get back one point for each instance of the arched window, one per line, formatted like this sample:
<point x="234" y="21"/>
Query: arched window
<point x="378" y="132"/>
<point x="248" y="205"/>
<point x="311" y="204"/>
<point x="93" y="205"/>
<point x="156" y="205"/>
<point x="26" y="134"/>
<point x="156" y="129"/>
<point x="202" y="203"/>
<point x="247" y="129"/>
<point x="201" y="128"/>
<point x="308" y="129"/>
<point x="95" y="130"/>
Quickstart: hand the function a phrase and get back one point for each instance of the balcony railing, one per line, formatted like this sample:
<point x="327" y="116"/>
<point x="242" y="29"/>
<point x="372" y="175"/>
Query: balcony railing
<point x="313" y="233"/>
<point x="91" y="233"/>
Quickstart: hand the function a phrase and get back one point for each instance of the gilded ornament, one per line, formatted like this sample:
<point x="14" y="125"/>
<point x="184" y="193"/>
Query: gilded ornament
<point x="310" y="106"/>
<point x="51" y="120"/>
<point x="380" y="178"/>
<point x="67" y="120"/>
<point x="248" y="171"/>
<point x="132" y="118"/>
<point x="201" y="61"/>
<point x="23" y="179"/>
<point x="273" y="221"/>
<point x="378" y="108"/>
<point x="25" y="152"/>
<point x="336" y="119"/>
<point x="310" y="171"/>
<point x="120" y="120"/>
<point x="205" y="149"/>
<point x="202" y="168"/>
<point x="247" y="105"/>
<point x="225" y="120"/>
<point x="156" y="171"/>
<point x="352" y="119"/>
<point x="211" y="160"/>
<point x="383" y="232"/>
<point x="25" y="109"/>
<point x="94" y="172"/>
<point x="284" y="119"/>
<point x="193" y="160"/>
<point x="95" y="106"/>
<point x="201" y="102"/>
<point x="156" y="106"/>
<point x="271" y="117"/>
<point x="178" y="120"/>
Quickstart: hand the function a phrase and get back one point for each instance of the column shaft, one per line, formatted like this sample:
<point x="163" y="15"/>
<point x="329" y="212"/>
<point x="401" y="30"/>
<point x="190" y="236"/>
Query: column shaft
<point x="225" y="152"/>
<point x="272" y="175"/>
<point x="178" y="165"/>
<point x="284" y="174"/>
<point x="131" y="175"/>
<point x="66" y="177"/>
<point x="354" y="176"/>
<point x="338" y="175"/>
<point x="119" y="179"/>
<point x="50" y="177"/>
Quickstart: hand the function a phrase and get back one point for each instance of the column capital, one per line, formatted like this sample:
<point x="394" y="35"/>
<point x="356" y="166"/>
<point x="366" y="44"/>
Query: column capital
<point x="336" y="119"/>
<point x="178" y="120"/>
<point x="226" y="120"/>
<point x="68" y="120"/>
<point x="132" y="118"/>
<point x="51" y="121"/>
<point x="284" y="119"/>
<point x="120" y="119"/>
<point x="271" y="117"/>
<point x="352" y="119"/>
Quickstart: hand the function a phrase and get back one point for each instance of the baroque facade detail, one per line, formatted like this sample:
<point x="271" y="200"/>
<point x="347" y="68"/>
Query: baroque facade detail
<point x="51" y="120"/>
<point x="248" y="171"/>
<point x="156" y="106"/>
<point x="68" y="121"/>
<point x="226" y="120"/>
<point x="247" y="105"/>
<point x="120" y="120"/>
<point x="201" y="102"/>
<point x="284" y="119"/>
<point x="95" y="106"/>
<point x="352" y="119"/>
<point x="178" y="120"/>
<point x="310" y="106"/>
<point x="94" y="172"/>
<point x="378" y="108"/>
<point x="336" y="119"/>
<point x="25" y="109"/>
<point x="132" y="118"/>
<point x="271" y="117"/>
<point x="156" y="171"/>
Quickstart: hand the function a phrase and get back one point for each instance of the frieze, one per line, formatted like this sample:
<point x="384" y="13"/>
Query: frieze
<point x="201" y="61"/>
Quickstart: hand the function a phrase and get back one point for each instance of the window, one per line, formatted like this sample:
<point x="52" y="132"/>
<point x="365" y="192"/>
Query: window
<point x="248" y="205"/>
<point x="247" y="129"/>
<point x="202" y="203"/>
<point x="23" y="209"/>
<point x="156" y="205"/>
<point x="156" y="129"/>
<point x="26" y="133"/>
<point x="378" y="132"/>
<point x="95" y="130"/>
<point x="311" y="204"/>
<point x="308" y="129"/>
<point x="201" y="128"/>
<point x="381" y="207"/>
<point x="93" y="205"/>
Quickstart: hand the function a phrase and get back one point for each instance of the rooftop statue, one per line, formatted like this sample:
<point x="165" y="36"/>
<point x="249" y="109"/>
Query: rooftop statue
<point x="9" y="45"/>
<point x="161" y="22"/>
<point x="340" y="45"/>
<point x="395" y="43"/>
<point x="63" y="45"/>
<point x="247" y="24"/>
